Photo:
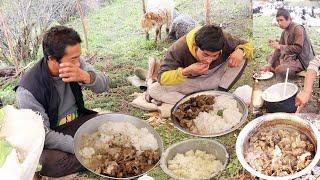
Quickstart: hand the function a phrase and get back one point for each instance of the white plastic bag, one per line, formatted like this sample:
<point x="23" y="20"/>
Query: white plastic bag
<point x="244" y="92"/>
<point x="24" y="130"/>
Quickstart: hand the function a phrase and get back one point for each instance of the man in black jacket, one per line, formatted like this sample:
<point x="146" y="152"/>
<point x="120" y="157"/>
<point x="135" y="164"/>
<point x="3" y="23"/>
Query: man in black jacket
<point x="52" y="87"/>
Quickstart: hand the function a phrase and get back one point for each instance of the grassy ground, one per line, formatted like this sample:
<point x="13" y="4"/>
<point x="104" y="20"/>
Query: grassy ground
<point x="117" y="43"/>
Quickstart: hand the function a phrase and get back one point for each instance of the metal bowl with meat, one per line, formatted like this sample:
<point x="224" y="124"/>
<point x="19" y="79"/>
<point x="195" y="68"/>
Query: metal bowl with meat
<point x="209" y="113"/>
<point x="118" y="146"/>
<point x="278" y="146"/>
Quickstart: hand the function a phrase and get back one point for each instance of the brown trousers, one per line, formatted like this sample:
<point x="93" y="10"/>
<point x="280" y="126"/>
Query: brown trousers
<point x="56" y="163"/>
<point x="280" y="67"/>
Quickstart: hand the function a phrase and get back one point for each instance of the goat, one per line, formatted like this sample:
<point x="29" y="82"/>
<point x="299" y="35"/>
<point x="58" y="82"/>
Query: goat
<point x="158" y="13"/>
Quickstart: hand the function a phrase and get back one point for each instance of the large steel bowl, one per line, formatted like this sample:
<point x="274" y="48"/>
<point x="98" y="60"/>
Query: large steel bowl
<point x="277" y="120"/>
<point x="210" y="146"/>
<point x="241" y="105"/>
<point x="92" y="125"/>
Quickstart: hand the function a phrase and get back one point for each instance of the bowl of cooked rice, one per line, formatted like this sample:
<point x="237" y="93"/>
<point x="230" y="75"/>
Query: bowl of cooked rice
<point x="209" y="113"/>
<point x="194" y="159"/>
<point x="118" y="146"/>
<point x="278" y="146"/>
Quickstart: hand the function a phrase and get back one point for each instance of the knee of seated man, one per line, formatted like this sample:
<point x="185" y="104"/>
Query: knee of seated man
<point x="282" y="71"/>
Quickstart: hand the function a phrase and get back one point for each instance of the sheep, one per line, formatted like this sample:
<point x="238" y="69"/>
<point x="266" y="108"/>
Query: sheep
<point x="158" y="13"/>
<point x="181" y="25"/>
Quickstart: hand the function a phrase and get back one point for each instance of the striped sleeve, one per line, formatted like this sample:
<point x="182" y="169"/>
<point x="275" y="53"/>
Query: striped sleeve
<point x="315" y="64"/>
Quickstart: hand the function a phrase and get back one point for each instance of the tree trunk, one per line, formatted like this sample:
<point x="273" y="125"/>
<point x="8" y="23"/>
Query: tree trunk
<point x="207" y="12"/>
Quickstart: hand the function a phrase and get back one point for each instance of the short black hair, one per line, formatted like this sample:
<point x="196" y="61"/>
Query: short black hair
<point x="210" y="38"/>
<point x="283" y="12"/>
<point x="57" y="39"/>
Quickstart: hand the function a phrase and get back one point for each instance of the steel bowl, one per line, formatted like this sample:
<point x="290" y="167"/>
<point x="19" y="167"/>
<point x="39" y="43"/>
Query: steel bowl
<point x="241" y="105"/>
<point x="277" y="120"/>
<point x="92" y="125"/>
<point x="285" y="104"/>
<point x="207" y="145"/>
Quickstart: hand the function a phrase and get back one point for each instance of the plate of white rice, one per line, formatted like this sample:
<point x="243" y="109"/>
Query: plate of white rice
<point x="228" y="113"/>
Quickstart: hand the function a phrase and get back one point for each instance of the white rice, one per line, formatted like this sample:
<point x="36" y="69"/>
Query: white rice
<point x="224" y="102"/>
<point x="141" y="139"/>
<point x="194" y="165"/>
<point x="211" y="123"/>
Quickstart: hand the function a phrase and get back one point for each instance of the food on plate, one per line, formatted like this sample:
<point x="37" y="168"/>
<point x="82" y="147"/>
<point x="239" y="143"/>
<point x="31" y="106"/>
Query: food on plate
<point x="262" y="75"/>
<point x="207" y="114"/>
<point x="195" y="164"/>
<point x="279" y="151"/>
<point x="119" y="149"/>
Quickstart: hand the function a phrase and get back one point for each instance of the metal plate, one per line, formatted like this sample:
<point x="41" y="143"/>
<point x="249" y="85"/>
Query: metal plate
<point x="241" y="105"/>
<point x="92" y="125"/>
<point x="263" y="75"/>
<point x="207" y="145"/>
<point x="277" y="120"/>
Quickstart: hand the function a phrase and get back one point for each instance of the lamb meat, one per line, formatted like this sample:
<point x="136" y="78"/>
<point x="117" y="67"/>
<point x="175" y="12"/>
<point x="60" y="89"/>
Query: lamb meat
<point x="279" y="152"/>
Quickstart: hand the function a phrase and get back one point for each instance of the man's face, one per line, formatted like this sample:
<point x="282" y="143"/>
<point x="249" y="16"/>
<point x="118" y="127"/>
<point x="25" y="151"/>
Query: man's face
<point x="282" y="22"/>
<point x="71" y="55"/>
<point x="207" y="57"/>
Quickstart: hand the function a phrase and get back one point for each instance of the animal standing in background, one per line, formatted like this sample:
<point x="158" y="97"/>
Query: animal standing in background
<point x="181" y="25"/>
<point x="158" y="13"/>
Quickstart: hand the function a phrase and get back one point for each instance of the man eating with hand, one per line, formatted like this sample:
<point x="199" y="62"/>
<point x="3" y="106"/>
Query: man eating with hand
<point x="53" y="87"/>
<point x="206" y="58"/>
<point x="293" y="51"/>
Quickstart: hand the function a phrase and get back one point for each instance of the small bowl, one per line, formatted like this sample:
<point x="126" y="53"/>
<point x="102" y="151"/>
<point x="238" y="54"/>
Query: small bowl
<point x="207" y="145"/>
<point x="281" y="104"/>
<point x="263" y="75"/>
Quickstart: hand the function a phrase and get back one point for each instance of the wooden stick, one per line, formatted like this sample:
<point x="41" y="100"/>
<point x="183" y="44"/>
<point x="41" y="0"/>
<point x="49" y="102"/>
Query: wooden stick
<point x="207" y="12"/>
<point x="83" y="23"/>
<point x="6" y="31"/>
<point x="144" y="7"/>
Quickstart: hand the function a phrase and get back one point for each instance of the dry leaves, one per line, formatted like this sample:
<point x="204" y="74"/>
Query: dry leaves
<point x="155" y="119"/>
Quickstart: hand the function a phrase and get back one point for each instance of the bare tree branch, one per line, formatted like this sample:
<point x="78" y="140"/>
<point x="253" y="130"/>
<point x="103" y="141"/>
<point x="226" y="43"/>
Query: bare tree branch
<point x="8" y="38"/>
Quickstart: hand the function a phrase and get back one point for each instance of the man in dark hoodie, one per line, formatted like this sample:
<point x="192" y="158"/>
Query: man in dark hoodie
<point x="52" y="87"/>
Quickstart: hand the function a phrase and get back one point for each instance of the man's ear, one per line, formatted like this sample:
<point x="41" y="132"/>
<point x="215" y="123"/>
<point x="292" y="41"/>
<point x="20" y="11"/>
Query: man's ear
<point x="51" y="58"/>
<point x="195" y="46"/>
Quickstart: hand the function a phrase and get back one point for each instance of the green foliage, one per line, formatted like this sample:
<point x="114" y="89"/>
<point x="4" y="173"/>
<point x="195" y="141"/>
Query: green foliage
<point x="5" y="149"/>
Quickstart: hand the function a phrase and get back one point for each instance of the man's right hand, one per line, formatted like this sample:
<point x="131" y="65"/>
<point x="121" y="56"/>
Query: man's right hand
<point x="267" y="67"/>
<point x="196" y="69"/>
<point x="302" y="99"/>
